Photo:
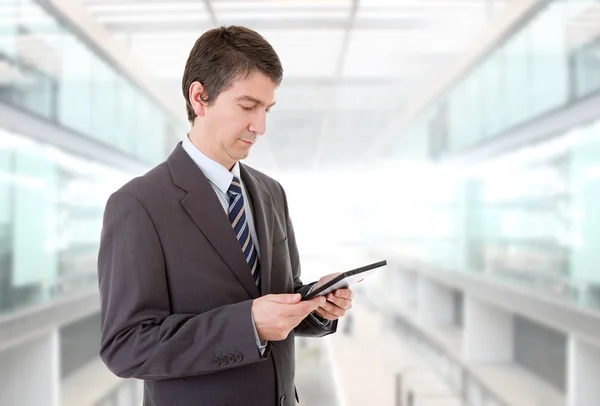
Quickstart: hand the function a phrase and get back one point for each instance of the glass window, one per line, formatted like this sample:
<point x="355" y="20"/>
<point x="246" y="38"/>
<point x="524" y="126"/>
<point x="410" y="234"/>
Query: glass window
<point x="75" y="88"/>
<point x="549" y="63"/>
<point x="46" y="69"/>
<point x="587" y="69"/>
<point x="415" y="144"/>
<point x="143" y="131"/>
<point x="8" y="27"/>
<point x="9" y="72"/>
<point x="552" y="59"/>
<point x="472" y="108"/>
<point x="517" y="78"/>
<point x="492" y="110"/>
<point x="533" y="218"/>
<point x="457" y="117"/>
<point x="154" y="142"/>
<point x="38" y="54"/>
<point x="127" y="117"/>
<point x="585" y="184"/>
<point x="583" y="40"/>
<point x="35" y="257"/>
<point x="103" y="104"/>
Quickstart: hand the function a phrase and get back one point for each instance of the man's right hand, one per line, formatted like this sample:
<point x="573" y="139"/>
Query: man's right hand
<point x="276" y="315"/>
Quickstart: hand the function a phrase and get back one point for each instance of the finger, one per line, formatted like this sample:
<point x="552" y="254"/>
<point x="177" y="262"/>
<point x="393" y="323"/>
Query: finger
<point x="326" y="279"/>
<point x="345" y="304"/>
<point x="325" y="314"/>
<point x="307" y="306"/>
<point x="329" y="277"/>
<point x="344" y="293"/>
<point x="333" y="309"/>
<point x="286" y="298"/>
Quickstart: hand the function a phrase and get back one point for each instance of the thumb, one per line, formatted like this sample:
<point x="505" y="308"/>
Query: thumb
<point x="287" y="298"/>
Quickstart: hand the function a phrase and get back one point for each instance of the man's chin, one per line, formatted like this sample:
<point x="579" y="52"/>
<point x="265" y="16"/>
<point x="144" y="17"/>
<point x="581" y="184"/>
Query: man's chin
<point x="243" y="155"/>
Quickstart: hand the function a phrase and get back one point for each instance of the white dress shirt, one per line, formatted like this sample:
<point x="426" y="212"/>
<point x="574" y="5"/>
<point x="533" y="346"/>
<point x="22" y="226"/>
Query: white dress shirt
<point x="220" y="180"/>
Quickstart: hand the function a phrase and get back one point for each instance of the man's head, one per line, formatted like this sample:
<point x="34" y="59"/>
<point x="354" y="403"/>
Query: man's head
<point x="229" y="86"/>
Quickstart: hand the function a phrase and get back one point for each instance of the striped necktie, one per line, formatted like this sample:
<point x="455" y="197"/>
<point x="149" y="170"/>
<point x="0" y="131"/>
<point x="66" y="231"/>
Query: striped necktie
<point x="237" y="217"/>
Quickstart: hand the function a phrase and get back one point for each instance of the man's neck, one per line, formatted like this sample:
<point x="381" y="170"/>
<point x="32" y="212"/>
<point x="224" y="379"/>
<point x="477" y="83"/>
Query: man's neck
<point x="199" y="142"/>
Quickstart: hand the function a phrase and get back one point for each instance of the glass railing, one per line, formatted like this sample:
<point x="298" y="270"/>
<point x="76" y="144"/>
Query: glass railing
<point x="528" y="218"/>
<point x="51" y="206"/>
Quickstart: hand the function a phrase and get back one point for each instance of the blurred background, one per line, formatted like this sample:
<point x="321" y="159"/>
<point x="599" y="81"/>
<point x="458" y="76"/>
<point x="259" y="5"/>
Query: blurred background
<point x="462" y="135"/>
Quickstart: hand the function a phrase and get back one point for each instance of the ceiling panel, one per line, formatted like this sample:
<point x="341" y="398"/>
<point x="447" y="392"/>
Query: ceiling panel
<point x="283" y="14"/>
<point x="270" y="5"/>
<point x="393" y="53"/>
<point x="136" y="12"/>
<point x="308" y="53"/>
<point x="155" y="17"/>
<point x="348" y="65"/>
<point x="127" y="7"/>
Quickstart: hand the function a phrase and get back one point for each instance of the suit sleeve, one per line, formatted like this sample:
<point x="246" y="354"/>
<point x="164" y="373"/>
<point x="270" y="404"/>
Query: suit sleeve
<point x="140" y="336"/>
<point x="310" y="326"/>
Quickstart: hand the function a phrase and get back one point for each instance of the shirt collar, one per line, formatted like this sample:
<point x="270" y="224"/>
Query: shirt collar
<point x="216" y="173"/>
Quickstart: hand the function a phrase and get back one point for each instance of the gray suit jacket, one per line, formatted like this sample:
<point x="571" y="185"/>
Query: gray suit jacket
<point x="176" y="292"/>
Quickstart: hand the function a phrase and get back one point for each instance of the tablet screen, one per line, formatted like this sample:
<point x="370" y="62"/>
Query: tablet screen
<point x="345" y="280"/>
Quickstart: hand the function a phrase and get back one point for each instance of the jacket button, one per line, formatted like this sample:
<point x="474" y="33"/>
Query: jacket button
<point x="216" y="362"/>
<point x="238" y="356"/>
<point x="230" y="359"/>
<point x="223" y="360"/>
<point x="282" y="401"/>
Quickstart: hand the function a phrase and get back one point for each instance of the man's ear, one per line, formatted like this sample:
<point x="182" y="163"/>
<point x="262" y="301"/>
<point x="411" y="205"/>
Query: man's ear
<point x="195" y="95"/>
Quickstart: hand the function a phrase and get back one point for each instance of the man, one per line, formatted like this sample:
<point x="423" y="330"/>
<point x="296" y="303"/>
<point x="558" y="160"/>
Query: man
<point x="198" y="267"/>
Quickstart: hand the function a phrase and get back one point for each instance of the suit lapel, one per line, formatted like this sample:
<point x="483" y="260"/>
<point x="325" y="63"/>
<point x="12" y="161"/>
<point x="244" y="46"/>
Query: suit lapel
<point x="262" y="205"/>
<point x="205" y="210"/>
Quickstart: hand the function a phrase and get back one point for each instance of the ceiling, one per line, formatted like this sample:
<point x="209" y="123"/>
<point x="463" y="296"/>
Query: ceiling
<point x="349" y="65"/>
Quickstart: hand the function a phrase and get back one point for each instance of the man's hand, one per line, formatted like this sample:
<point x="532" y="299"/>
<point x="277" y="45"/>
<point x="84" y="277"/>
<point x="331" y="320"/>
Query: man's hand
<point x="338" y="302"/>
<point x="276" y="315"/>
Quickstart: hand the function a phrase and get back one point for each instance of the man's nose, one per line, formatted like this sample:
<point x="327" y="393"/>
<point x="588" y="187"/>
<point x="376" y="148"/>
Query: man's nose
<point x="259" y="123"/>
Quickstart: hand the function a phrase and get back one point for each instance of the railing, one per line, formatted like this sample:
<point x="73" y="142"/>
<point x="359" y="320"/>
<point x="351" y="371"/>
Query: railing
<point x="561" y="288"/>
<point x="471" y="390"/>
<point x="77" y="274"/>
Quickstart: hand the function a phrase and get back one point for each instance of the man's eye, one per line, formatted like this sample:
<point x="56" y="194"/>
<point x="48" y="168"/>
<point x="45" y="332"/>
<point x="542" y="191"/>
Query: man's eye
<point x="247" y="108"/>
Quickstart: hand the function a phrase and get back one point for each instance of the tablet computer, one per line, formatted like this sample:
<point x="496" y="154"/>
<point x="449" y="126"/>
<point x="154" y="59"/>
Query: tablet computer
<point x="344" y="280"/>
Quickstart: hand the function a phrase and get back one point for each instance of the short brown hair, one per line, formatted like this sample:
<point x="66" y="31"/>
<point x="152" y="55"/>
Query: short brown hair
<point x="222" y="55"/>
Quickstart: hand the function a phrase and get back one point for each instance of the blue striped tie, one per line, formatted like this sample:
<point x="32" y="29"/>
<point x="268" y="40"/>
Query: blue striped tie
<point x="237" y="217"/>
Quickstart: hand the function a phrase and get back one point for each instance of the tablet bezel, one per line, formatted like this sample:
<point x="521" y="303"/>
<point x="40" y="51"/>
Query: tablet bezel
<point x="342" y="276"/>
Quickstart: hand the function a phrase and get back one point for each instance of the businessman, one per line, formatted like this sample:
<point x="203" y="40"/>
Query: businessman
<point x="198" y="267"/>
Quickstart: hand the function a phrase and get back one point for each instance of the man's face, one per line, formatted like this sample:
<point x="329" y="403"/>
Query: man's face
<point x="238" y="117"/>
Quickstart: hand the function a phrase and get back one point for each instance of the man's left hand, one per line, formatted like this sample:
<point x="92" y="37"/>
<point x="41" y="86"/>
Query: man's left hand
<point x="337" y="304"/>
